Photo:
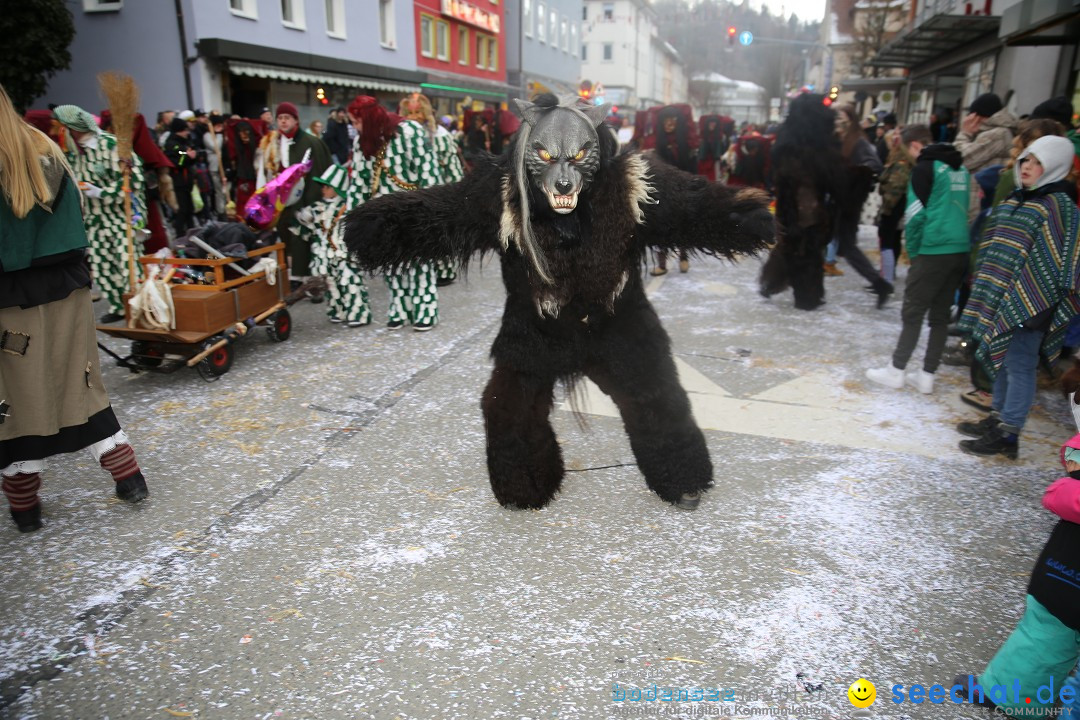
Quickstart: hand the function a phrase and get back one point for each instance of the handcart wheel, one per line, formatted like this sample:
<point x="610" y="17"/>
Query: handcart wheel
<point x="218" y="362"/>
<point x="145" y="356"/>
<point x="280" y="326"/>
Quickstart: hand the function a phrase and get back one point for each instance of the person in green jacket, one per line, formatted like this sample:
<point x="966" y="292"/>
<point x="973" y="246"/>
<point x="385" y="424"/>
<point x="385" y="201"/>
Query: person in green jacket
<point x="52" y="396"/>
<point x="938" y="245"/>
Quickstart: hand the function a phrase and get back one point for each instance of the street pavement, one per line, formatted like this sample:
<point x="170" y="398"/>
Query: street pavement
<point x="321" y="540"/>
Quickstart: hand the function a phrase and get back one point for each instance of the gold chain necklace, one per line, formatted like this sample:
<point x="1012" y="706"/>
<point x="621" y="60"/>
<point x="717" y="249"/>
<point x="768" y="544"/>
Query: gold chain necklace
<point x="378" y="171"/>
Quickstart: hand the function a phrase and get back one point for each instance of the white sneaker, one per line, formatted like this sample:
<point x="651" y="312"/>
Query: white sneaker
<point x="921" y="381"/>
<point x="888" y="376"/>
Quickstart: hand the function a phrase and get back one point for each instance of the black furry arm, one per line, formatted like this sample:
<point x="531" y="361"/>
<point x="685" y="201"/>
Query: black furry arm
<point x="691" y="213"/>
<point x="446" y="222"/>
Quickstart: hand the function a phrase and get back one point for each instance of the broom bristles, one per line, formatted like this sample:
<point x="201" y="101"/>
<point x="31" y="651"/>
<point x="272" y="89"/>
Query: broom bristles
<point x="122" y="95"/>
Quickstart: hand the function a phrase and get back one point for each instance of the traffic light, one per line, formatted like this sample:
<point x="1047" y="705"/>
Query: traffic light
<point x="585" y="90"/>
<point x="731" y="32"/>
<point x="833" y="92"/>
<point x="320" y="95"/>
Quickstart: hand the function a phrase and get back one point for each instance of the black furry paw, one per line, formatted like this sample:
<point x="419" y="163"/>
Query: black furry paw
<point x="688" y="501"/>
<point x="759" y="224"/>
<point x="362" y="227"/>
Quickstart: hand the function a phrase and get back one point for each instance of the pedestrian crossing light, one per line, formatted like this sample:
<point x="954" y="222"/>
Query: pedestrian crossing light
<point x="833" y="92"/>
<point x="320" y="95"/>
<point x="731" y="32"/>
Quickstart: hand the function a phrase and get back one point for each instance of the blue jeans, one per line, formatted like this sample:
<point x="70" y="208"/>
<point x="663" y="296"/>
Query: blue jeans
<point x="830" y="251"/>
<point x="1014" y="387"/>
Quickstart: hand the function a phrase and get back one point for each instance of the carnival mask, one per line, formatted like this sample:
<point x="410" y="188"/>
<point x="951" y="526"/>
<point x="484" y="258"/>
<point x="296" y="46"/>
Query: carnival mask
<point x="561" y="150"/>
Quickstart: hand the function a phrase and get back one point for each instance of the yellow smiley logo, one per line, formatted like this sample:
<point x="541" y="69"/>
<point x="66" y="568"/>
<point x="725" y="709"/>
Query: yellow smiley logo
<point x="862" y="693"/>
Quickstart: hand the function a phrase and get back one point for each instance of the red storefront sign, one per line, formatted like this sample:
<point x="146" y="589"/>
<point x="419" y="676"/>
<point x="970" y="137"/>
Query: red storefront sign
<point x="469" y="13"/>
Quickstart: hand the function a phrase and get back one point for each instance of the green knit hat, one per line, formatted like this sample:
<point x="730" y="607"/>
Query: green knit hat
<point x="337" y="177"/>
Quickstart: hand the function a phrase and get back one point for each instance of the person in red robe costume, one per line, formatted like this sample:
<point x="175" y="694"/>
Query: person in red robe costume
<point x="242" y="136"/>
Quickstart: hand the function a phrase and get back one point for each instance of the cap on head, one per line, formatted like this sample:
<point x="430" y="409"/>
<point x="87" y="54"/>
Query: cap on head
<point x="337" y="177"/>
<point x="986" y="105"/>
<point x="1058" y="108"/>
<point x="287" y="108"/>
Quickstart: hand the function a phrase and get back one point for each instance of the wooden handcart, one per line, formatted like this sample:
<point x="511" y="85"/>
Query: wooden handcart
<point x="209" y="317"/>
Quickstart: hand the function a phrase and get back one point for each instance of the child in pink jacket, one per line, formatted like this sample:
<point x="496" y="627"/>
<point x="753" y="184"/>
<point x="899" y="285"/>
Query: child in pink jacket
<point x="1045" y="645"/>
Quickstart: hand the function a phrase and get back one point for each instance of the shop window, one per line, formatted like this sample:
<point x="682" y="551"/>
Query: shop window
<point x="335" y="18"/>
<point x="463" y="45"/>
<point x="481" y="51"/>
<point x="243" y="8"/>
<point x="102" y="5"/>
<point x="442" y="40"/>
<point x="427" y="36"/>
<point x="292" y="14"/>
<point x="387" y="32"/>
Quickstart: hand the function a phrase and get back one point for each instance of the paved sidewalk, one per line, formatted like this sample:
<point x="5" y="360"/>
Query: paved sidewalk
<point x="321" y="540"/>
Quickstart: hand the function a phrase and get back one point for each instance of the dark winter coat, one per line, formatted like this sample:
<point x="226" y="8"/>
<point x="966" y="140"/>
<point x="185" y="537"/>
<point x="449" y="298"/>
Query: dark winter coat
<point x="336" y="138"/>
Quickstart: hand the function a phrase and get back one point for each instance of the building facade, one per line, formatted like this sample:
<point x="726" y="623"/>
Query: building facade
<point x="462" y="46"/>
<point x="621" y="50"/>
<point x="242" y="55"/>
<point x="1025" y="51"/>
<point x="543" y="41"/>
<point x="744" y="101"/>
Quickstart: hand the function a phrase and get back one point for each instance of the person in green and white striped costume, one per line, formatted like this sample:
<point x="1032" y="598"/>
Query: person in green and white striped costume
<point x="417" y="107"/>
<point x="322" y="224"/>
<point x="392" y="155"/>
<point x="96" y="163"/>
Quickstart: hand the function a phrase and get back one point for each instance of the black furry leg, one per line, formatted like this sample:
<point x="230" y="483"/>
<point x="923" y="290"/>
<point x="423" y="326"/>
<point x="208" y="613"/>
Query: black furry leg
<point x="668" y="445"/>
<point x="773" y="279"/>
<point x="525" y="462"/>
<point x="808" y="283"/>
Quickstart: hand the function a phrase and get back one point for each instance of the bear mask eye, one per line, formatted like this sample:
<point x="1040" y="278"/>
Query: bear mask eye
<point x="544" y="155"/>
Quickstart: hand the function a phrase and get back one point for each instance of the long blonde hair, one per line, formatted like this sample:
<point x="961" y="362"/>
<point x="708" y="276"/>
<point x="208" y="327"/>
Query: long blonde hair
<point x="22" y="151"/>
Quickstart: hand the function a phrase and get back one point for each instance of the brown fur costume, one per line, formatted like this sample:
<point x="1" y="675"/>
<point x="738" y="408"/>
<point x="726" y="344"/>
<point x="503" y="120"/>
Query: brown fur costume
<point x="590" y="317"/>
<point x="807" y="178"/>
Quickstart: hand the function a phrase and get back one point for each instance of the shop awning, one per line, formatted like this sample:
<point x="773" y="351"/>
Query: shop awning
<point x="317" y="77"/>
<point x="1041" y="22"/>
<point x="933" y="38"/>
<point x="872" y="85"/>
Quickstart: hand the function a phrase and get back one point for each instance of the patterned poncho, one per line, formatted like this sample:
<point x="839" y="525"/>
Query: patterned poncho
<point x="405" y="163"/>
<point x="1029" y="263"/>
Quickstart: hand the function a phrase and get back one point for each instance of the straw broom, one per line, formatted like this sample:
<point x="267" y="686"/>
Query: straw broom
<point x="122" y="96"/>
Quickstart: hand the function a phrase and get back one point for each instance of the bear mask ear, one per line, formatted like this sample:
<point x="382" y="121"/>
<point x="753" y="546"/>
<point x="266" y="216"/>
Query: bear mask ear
<point x="526" y="110"/>
<point x="597" y="113"/>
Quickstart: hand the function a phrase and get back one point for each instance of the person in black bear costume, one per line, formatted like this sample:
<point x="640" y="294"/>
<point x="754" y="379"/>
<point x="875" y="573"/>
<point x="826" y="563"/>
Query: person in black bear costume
<point x="808" y="178"/>
<point x="572" y="221"/>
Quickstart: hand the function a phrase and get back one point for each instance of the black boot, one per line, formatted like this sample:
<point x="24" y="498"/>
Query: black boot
<point x="133" y="489"/>
<point x="883" y="289"/>
<point x="978" y="429"/>
<point x="28" y="520"/>
<point x="966" y="682"/>
<point x="994" y="442"/>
